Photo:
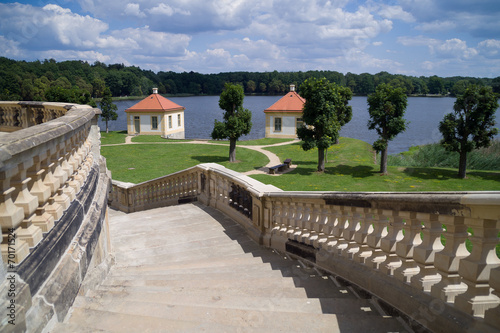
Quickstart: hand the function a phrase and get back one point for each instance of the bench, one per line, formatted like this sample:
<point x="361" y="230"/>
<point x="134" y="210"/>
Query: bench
<point x="279" y="167"/>
<point x="288" y="162"/>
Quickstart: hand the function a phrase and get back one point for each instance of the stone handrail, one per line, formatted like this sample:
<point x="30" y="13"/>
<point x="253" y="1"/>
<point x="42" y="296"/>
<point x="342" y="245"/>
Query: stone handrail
<point x="15" y="116"/>
<point x="407" y="249"/>
<point x="42" y="168"/>
<point x="53" y="205"/>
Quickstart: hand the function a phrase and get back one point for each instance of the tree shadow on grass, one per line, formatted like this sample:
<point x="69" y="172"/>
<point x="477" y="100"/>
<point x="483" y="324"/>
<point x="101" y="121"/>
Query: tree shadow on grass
<point x="210" y="159"/>
<point x="444" y="174"/>
<point x="306" y="168"/>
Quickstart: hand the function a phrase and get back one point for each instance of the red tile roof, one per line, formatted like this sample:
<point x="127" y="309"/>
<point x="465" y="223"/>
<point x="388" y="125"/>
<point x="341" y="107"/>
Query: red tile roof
<point x="291" y="102"/>
<point x="155" y="102"/>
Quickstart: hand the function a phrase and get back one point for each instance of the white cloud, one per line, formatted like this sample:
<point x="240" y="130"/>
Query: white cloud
<point x="145" y="41"/>
<point x="253" y="49"/>
<point x="454" y="48"/>
<point x="89" y="56"/>
<point x="165" y="9"/>
<point x="395" y="13"/>
<point x="49" y="27"/>
<point x="490" y="48"/>
<point x="133" y="9"/>
<point x="9" y="48"/>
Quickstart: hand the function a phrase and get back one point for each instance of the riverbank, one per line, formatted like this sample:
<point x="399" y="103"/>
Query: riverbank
<point x="351" y="166"/>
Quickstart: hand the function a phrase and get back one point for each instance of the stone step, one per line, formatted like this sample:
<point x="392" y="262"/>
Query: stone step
<point x="226" y="260"/>
<point x="270" y="302"/>
<point x="144" y="317"/>
<point x="271" y="291"/>
<point x="200" y="272"/>
<point x="166" y="255"/>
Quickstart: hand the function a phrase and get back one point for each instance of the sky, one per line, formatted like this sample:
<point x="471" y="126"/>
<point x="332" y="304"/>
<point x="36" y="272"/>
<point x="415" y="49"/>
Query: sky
<point x="410" y="37"/>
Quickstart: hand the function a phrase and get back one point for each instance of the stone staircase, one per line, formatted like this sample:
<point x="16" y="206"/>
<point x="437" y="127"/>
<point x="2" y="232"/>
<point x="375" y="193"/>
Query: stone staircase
<point x="189" y="268"/>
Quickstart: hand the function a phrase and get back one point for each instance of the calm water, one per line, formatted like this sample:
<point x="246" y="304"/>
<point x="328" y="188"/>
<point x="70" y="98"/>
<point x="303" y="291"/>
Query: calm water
<point x="424" y="115"/>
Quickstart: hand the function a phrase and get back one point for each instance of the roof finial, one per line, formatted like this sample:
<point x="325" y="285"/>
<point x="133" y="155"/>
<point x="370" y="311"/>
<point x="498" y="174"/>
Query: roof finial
<point x="155" y="90"/>
<point x="292" y="87"/>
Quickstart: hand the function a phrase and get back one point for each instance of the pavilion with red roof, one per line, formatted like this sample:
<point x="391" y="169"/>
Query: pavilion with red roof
<point x="156" y="115"/>
<point x="285" y="116"/>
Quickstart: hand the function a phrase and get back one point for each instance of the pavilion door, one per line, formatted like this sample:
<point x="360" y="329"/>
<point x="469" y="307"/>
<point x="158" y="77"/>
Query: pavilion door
<point x="137" y="124"/>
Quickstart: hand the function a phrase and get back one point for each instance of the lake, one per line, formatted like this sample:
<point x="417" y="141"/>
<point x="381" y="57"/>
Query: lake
<point x="423" y="113"/>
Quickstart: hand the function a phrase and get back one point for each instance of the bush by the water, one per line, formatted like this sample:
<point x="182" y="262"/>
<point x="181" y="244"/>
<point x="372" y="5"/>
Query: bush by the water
<point x="434" y="155"/>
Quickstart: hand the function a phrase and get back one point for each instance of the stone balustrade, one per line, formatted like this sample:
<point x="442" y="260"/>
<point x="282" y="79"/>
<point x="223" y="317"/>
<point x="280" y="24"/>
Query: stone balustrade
<point x="407" y="249"/>
<point x="53" y="200"/>
<point x="15" y="116"/>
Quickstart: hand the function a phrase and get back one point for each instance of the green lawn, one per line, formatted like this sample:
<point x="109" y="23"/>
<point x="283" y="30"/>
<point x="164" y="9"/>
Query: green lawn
<point x="154" y="138"/>
<point x="138" y="163"/>
<point x="113" y="137"/>
<point x="258" y="142"/>
<point x="352" y="167"/>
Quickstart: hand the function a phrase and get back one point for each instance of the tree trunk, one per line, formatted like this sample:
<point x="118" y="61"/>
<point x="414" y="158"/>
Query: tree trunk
<point x="107" y="126"/>
<point x="321" y="160"/>
<point x="232" y="150"/>
<point x="383" y="161"/>
<point x="462" y="165"/>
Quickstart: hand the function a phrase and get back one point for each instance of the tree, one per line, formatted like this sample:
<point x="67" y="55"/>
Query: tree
<point x="108" y="108"/>
<point x="324" y="112"/>
<point x="386" y="108"/>
<point x="237" y="120"/>
<point x="471" y="125"/>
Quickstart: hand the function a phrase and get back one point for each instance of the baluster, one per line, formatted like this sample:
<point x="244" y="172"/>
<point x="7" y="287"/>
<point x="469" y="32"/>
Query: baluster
<point x="361" y="237"/>
<point x="325" y="222"/>
<point x="338" y="230"/>
<point x="49" y="179"/>
<point x="292" y="219"/>
<point x="424" y="254"/>
<point x="36" y="185"/>
<point x="447" y="261"/>
<point x="492" y="316"/>
<point x="333" y="221"/>
<point x="299" y="214"/>
<point x="313" y="225"/>
<point x="276" y="211"/>
<point x="285" y="221"/>
<point x="350" y="234"/>
<point x="306" y="223"/>
<point x="388" y="244"/>
<point x="43" y="220"/>
<point x="28" y="232"/>
<point x="374" y="239"/>
<point x="405" y="248"/>
<point x="475" y="269"/>
<point x="11" y="217"/>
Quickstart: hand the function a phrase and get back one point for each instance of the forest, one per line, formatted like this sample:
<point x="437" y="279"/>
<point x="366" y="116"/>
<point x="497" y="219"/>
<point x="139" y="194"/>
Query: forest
<point x="80" y="82"/>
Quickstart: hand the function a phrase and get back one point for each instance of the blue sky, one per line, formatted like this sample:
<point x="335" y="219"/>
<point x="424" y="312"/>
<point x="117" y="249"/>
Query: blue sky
<point x="411" y="37"/>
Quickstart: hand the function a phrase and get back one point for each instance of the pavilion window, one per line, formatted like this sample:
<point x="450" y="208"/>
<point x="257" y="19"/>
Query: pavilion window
<point x="277" y="124"/>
